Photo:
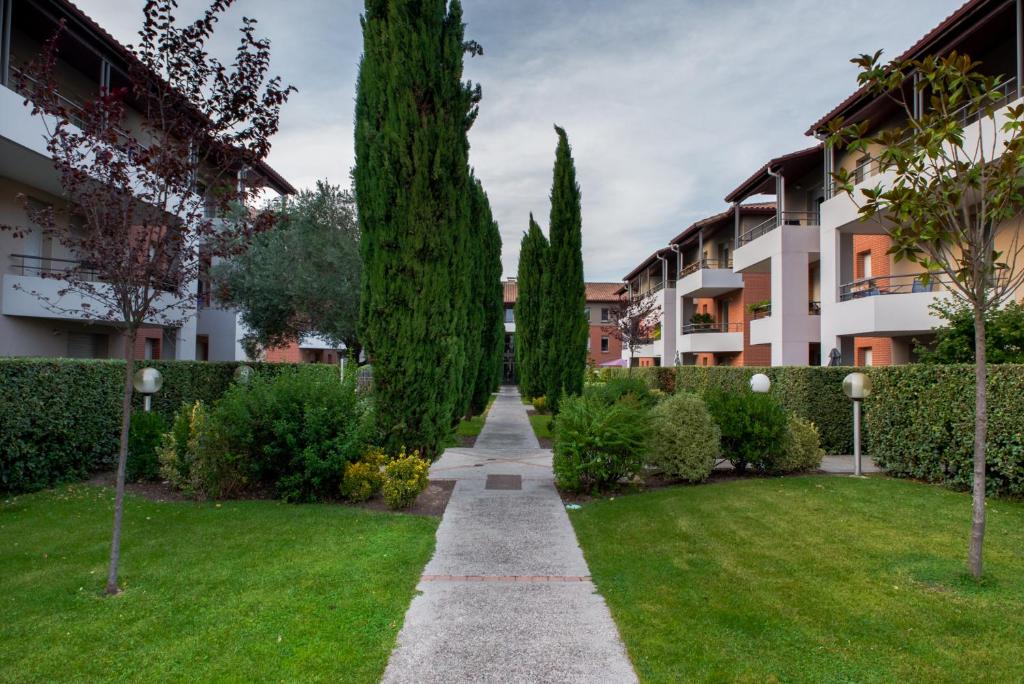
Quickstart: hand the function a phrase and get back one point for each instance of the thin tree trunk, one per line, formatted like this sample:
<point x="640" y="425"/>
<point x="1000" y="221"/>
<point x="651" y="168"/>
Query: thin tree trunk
<point x="980" y="437"/>
<point x="122" y="461"/>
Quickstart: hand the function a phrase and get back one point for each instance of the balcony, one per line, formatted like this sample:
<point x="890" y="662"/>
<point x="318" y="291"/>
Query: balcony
<point x="710" y="338"/>
<point x="790" y="231"/>
<point x="888" y="305"/>
<point x="33" y="287"/>
<point x="708" y="278"/>
<point x="768" y="329"/>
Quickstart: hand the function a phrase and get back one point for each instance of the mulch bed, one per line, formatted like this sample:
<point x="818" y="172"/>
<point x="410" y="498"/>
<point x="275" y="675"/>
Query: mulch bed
<point x="432" y="501"/>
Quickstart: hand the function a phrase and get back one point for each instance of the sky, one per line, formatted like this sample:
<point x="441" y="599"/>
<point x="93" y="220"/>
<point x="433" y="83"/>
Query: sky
<point x="668" y="104"/>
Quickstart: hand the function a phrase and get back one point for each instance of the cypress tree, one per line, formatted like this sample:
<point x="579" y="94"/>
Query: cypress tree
<point x="492" y="344"/>
<point x="412" y="188"/>
<point x="530" y="345"/>
<point x="566" y="294"/>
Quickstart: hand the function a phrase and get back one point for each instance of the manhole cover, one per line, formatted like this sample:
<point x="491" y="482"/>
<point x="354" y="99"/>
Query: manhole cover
<point x="504" y="482"/>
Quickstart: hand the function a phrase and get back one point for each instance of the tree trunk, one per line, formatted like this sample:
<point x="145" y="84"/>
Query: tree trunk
<point x="122" y="461"/>
<point x="980" y="437"/>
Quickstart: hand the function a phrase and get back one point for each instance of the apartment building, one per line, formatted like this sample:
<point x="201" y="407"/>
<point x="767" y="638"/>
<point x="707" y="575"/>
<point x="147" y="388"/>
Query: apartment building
<point x="802" y="280"/>
<point x="874" y="308"/>
<point x="89" y="60"/>
<point x="602" y="299"/>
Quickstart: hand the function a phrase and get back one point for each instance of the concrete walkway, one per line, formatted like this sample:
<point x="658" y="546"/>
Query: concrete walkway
<point x="507" y="596"/>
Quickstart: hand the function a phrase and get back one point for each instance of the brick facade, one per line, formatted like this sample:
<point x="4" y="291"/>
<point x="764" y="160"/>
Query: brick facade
<point x="878" y="247"/>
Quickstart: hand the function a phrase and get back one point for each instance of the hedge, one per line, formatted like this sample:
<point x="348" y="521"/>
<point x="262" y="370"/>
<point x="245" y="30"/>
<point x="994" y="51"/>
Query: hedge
<point x="918" y="421"/>
<point x="814" y="393"/>
<point x="60" y="418"/>
<point x="921" y="422"/>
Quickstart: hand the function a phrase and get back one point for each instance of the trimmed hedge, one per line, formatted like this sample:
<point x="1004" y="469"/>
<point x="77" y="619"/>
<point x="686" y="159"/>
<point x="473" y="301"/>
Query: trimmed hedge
<point x="814" y="393"/>
<point x="921" y="421"/>
<point x="60" y="418"/>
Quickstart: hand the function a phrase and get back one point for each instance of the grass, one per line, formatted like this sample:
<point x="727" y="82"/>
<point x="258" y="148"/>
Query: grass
<point x="469" y="427"/>
<point x="542" y="426"/>
<point x="818" y="579"/>
<point x="244" y="590"/>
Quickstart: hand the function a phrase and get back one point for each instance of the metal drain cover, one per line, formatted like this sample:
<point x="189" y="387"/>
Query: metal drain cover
<point x="504" y="482"/>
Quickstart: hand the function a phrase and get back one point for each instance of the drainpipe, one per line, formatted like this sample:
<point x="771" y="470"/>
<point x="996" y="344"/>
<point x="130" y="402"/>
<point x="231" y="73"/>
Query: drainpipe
<point x="679" y="258"/>
<point x="5" y="40"/>
<point x="780" y="195"/>
<point x="1020" y="47"/>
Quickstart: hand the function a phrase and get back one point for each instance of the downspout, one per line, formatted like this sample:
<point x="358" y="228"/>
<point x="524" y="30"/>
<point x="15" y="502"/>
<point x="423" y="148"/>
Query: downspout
<point x="5" y="41"/>
<point x="1020" y="46"/>
<point x="780" y="195"/>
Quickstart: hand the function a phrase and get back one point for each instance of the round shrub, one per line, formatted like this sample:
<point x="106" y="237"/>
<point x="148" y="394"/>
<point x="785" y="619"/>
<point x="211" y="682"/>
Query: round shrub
<point x="364" y="478"/>
<point x="404" y="479"/>
<point x="144" y="437"/>
<point x="753" y="426"/>
<point x="803" y="447"/>
<point x="618" y="388"/>
<point x="684" y="442"/>
<point x="597" y="444"/>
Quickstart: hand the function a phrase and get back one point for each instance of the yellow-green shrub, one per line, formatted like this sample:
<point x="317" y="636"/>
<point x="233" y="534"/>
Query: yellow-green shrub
<point x="540" y="404"/>
<point x="802" y="450"/>
<point x="363" y="479"/>
<point x="405" y="478"/>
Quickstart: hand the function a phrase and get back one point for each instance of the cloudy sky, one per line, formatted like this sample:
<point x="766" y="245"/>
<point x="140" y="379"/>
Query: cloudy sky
<point x="668" y="104"/>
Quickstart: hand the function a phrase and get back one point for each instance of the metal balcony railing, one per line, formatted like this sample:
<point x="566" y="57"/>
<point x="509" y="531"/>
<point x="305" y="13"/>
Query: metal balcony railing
<point x="705" y="263"/>
<point x="892" y="284"/>
<point x="713" y="327"/>
<point x="51" y="267"/>
<point x="786" y="218"/>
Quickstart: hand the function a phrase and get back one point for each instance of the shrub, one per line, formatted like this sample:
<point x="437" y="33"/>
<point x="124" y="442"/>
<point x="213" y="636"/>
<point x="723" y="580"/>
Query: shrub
<point x="802" y="450"/>
<point x="920" y="419"/>
<point x="597" y="444"/>
<point x="60" y="419"/>
<point x="363" y="479"/>
<point x="684" y="441"/>
<point x="619" y="388"/>
<point x="753" y="428"/>
<point x="144" y="437"/>
<point x="540" y="404"/>
<point x="292" y="435"/>
<point x="405" y="478"/>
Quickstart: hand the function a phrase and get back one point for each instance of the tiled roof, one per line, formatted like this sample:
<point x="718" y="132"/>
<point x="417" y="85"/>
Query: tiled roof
<point x="755" y="208"/>
<point x="746" y="187"/>
<point x="124" y="53"/>
<point x="916" y="50"/>
<point x="595" y="292"/>
<point x="647" y="262"/>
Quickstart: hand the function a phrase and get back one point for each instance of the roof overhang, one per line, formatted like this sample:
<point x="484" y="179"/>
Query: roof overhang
<point x="792" y="165"/>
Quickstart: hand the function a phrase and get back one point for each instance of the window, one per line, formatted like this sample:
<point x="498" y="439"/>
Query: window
<point x="604" y="345"/>
<point x="510" y="315"/>
<point x="150" y="349"/>
<point x="868" y="357"/>
<point x="87" y="346"/>
<point x="586" y="312"/>
<point x="605" y="315"/>
<point x="588" y="344"/>
<point x="861" y="172"/>
<point x="866" y="267"/>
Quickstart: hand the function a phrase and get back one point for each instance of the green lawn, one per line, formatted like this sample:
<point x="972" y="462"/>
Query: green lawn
<point x="470" y="427"/>
<point x="244" y="590"/>
<point x="542" y="426"/>
<point x="817" y="579"/>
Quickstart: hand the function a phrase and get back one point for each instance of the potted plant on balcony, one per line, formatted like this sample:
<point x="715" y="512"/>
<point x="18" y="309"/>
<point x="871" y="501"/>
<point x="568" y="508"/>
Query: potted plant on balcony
<point x="702" y="321"/>
<point x="761" y="309"/>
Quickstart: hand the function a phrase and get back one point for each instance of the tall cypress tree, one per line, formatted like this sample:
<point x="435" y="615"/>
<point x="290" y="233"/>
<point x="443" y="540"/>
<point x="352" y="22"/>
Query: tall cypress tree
<point x="412" y="188"/>
<point x="492" y="344"/>
<point x="474" y="272"/>
<point x="530" y="344"/>
<point x="566" y="294"/>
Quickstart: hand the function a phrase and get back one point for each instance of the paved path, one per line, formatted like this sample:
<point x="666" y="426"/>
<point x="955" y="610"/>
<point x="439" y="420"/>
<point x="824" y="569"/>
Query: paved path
<point x="507" y="596"/>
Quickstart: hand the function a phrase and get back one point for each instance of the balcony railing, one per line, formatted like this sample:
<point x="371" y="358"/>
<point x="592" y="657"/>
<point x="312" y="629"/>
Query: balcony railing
<point x="713" y="327"/>
<point x="786" y="218"/>
<point x="893" y="284"/>
<point x="765" y="310"/>
<point x="51" y="267"/>
<point x="705" y="263"/>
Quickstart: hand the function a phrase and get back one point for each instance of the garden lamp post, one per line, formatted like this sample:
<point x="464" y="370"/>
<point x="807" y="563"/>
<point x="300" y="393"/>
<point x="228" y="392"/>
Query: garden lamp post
<point x="760" y="383"/>
<point x="856" y="386"/>
<point x="243" y="374"/>
<point x="147" y="382"/>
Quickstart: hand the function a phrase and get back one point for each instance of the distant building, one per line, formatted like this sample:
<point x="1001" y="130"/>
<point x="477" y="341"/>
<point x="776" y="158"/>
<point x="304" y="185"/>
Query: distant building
<point x="602" y="345"/>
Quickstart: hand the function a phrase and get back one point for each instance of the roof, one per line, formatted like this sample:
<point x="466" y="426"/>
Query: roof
<point x="273" y="177"/>
<point x="967" y="13"/>
<point x="647" y="262"/>
<point x="792" y="164"/>
<point x="595" y="292"/>
<point x="752" y="209"/>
